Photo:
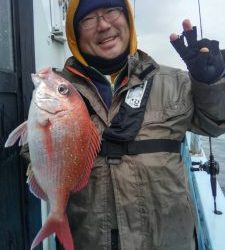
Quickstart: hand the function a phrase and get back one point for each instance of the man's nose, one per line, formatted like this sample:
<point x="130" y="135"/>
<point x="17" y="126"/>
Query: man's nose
<point x="102" y="24"/>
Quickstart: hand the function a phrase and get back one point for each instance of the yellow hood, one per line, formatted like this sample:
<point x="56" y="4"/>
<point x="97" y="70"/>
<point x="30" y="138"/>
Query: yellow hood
<point x="72" y="41"/>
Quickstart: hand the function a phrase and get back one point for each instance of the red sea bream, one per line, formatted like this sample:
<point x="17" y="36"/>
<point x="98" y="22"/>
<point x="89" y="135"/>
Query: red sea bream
<point x="63" y="142"/>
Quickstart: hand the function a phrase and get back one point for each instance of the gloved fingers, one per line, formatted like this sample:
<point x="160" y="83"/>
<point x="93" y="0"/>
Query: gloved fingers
<point x="203" y="59"/>
<point x="179" y="45"/>
<point x="191" y="36"/>
<point x="204" y="50"/>
<point x="222" y="51"/>
<point x="204" y="45"/>
<point x="187" y="25"/>
<point x="214" y="47"/>
<point x="212" y="66"/>
<point x="173" y="37"/>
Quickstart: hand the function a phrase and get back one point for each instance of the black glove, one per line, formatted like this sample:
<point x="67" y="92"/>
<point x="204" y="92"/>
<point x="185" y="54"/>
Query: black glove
<point x="206" y="67"/>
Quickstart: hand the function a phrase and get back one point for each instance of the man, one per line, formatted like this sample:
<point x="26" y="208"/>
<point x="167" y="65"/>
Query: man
<point x="137" y="197"/>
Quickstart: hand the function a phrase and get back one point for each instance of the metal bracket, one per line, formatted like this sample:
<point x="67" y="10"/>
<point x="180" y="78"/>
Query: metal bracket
<point x="58" y="36"/>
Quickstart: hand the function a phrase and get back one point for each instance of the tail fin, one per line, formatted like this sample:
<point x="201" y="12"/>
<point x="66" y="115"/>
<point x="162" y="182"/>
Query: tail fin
<point x="58" y="226"/>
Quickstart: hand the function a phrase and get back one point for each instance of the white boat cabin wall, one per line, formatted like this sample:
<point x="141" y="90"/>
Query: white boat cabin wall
<point x="51" y="48"/>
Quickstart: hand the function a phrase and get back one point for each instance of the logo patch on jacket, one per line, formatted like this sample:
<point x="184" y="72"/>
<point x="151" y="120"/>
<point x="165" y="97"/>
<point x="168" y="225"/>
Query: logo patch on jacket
<point x="134" y="95"/>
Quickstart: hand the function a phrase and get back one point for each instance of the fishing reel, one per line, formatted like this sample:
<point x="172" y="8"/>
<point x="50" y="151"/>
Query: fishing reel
<point x="212" y="168"/>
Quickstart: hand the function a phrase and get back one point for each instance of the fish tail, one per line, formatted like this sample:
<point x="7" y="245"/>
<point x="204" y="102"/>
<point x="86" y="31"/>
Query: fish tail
<point x="60" y="227"/>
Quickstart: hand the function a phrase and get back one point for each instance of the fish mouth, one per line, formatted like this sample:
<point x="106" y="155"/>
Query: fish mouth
<point x="51" y="109"/>
<point x="46" y="102"/>
<point x="43" y="95"/>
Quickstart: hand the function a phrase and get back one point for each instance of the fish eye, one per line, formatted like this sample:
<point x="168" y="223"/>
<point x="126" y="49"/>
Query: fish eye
<point x="63" y="89"/>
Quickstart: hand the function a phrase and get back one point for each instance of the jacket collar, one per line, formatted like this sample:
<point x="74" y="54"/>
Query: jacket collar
<point x="140" y="67"/>
<point x="137" y="64"/>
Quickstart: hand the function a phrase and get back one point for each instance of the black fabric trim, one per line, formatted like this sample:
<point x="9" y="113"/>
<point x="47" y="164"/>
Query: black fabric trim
<point x="127" y="122"/>
<point x="114" y="239"/>
<point x="118" y="149"/>
<point x="107" y="66"/>
<point x="147" y="71"/>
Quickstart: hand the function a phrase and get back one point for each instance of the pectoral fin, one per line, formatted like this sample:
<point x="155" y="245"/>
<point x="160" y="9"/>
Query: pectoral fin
<point x="19" y="133"/>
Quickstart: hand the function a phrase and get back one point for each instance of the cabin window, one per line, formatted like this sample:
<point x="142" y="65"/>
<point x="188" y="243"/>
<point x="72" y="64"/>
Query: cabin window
<point x="6" y="44"/>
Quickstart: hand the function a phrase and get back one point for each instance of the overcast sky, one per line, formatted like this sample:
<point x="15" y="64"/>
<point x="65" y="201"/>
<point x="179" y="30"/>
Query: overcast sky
<point x="156" y="20"/>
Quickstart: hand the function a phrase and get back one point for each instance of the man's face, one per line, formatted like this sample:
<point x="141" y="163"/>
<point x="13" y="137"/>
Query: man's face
<point x="105" y="39"/>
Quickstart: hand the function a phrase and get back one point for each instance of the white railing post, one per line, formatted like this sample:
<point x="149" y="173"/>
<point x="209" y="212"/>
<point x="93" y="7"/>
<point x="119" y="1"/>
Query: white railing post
<point x="195" y="144"/>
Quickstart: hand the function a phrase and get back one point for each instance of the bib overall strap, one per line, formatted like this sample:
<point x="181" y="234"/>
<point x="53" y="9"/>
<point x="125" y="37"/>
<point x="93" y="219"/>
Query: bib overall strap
<point x="116" y="150"/>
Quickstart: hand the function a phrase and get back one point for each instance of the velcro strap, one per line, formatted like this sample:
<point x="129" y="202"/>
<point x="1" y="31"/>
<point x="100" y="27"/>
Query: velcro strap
<point x="118" y="149"/>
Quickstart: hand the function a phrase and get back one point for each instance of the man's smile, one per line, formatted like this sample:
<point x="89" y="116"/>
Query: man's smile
<point x="107" y="39"/>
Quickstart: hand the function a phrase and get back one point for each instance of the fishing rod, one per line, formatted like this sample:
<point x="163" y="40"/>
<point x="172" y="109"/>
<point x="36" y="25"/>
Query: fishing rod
<point x="200" y="18"/>
<point x="213" y="170"/>
<point x="211" y="166"/>
<point x="134" y="4"/>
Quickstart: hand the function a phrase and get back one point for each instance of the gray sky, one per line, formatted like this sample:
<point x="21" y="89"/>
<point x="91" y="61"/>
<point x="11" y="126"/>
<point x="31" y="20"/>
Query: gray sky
<point x="156" y="20"/>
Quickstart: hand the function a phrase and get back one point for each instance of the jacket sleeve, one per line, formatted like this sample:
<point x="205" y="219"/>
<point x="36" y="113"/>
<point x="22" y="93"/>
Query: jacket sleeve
<point x="209" y="108"/>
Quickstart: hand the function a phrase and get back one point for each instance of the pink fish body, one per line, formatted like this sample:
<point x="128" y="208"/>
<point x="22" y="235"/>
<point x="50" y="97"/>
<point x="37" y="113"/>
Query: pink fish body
<point x="63" y="142"/>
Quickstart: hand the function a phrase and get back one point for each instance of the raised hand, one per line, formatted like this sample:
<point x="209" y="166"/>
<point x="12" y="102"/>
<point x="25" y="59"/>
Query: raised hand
<point x="203" y="58"/>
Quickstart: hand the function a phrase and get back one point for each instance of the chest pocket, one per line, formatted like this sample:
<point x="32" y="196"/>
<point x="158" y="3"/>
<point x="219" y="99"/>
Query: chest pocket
<point x="168" y="102"/>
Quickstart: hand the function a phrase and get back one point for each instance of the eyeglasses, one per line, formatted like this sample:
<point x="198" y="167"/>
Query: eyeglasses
<point x="110" y="15"/>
